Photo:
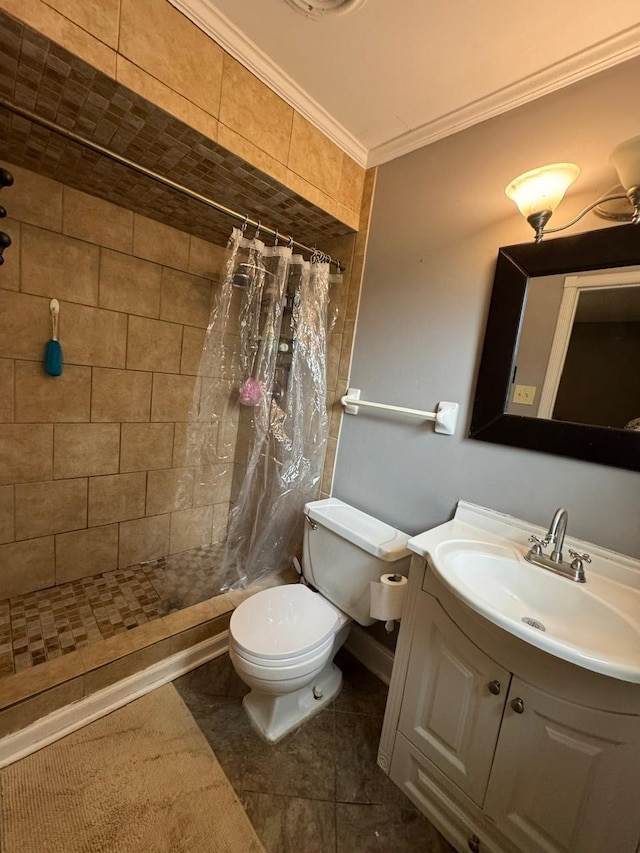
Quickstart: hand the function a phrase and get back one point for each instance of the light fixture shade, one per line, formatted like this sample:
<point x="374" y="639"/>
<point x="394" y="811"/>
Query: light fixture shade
<point x="542" y="188"/>
<point x="625" y="157"/>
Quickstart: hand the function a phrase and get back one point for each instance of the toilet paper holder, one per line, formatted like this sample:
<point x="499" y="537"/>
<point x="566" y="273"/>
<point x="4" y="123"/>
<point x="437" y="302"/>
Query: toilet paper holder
<point x="387" y="598"/>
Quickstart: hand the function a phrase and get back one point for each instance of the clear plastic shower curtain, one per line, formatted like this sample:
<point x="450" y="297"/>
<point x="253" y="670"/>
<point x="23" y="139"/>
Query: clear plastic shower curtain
<point x="296" y="437"/>
<point x="259" y="424"/>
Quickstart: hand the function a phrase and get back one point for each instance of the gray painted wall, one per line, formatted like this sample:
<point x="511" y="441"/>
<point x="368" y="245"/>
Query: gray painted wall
<point x="439" y="216"/>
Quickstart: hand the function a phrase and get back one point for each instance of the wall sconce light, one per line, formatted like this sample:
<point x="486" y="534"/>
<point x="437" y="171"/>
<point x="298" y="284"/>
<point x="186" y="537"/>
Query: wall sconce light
<point x="537" y="193"/>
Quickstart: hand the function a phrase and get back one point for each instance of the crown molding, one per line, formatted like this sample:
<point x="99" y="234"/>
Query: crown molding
<point x="223" y="31"/>
<point x="585" y="63"/>
<point x="599" y="57"/>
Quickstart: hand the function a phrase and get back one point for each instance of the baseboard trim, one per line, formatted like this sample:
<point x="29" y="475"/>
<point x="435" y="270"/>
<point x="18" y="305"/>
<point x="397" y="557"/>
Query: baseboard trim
<point x="377" y="658"/>
<point x="68" y="719"/>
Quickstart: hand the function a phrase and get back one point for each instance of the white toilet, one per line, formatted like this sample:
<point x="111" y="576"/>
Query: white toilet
<point x="282" y="641"/>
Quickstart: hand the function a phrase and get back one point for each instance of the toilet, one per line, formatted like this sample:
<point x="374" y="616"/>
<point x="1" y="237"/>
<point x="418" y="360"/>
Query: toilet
<point x="282" y="641"/>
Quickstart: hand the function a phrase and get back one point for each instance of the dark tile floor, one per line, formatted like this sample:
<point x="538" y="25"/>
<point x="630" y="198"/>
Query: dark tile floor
<point x="319" y="790"/>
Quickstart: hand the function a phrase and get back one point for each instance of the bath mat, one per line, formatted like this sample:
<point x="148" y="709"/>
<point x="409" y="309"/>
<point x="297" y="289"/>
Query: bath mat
<point x="141" y="780"/>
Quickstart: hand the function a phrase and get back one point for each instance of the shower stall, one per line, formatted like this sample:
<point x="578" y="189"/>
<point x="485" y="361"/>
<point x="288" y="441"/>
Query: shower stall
<point x="247" y="451"/>
<point x="188" y="356"/>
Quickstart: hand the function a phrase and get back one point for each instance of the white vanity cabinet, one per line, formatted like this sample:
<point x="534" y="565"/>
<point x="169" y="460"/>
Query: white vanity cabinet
<point x="565" y="777"/>
<point x="505" y="752"/>
<point x="454" y="700"/>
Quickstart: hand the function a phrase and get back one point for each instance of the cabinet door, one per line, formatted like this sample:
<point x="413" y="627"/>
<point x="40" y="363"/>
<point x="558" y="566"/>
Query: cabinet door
<point x="565" y="778"/>
<point x="448" y="710"/>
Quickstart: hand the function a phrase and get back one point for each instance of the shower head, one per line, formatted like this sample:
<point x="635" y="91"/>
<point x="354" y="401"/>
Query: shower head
<point x="242" y="277"/>
<point x="241" y="280"/>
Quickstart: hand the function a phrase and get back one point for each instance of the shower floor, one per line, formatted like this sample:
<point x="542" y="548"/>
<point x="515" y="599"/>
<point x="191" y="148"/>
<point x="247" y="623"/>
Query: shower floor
<point x="49" y="623"/>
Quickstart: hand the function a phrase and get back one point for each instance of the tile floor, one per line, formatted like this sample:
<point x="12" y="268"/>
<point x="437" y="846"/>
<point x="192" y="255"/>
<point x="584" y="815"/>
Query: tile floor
<point x="319" y="790"/>
<point x="52" y="622"/>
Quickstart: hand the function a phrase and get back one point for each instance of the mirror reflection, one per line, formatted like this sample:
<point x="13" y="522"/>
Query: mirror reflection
<point x="578" y="350"/>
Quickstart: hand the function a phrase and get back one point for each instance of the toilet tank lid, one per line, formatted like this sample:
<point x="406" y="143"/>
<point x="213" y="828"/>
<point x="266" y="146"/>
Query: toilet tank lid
<point x="369" y="533"/>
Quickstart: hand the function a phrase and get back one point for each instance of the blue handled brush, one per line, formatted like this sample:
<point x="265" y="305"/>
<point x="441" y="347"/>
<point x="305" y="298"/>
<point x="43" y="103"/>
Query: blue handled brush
<point x="53" y="350"/>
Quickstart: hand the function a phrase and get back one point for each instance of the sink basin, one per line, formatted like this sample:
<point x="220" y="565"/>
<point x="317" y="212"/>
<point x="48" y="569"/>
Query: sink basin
<point x="595" y="625"/>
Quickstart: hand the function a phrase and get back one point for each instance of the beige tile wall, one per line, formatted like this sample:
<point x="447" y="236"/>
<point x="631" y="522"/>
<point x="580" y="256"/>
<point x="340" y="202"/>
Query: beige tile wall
<point x="150" y="47"/>
<point x="94" y="468"/>
<point x="344" y="305"/>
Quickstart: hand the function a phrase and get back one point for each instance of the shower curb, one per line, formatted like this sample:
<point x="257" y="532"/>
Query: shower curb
<point x="69" y="718"/>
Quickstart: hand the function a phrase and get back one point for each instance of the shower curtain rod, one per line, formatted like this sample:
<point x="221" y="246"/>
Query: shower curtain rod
<point x="119" y="158"/>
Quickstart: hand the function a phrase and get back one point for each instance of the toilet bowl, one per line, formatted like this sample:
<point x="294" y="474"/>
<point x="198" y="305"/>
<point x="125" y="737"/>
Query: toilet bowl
<point x="282" y="640"/>
<point x="284" y="637"/>
<point x="286" y="659"/>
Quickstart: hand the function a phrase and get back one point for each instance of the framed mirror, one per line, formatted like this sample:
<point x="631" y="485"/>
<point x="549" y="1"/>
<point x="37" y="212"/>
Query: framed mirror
<point x="560" y="366"/>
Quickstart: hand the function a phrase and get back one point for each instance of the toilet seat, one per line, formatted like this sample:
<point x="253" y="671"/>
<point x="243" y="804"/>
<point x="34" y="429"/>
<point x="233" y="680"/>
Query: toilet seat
<point x="283" y="626"/>
<point x="282" y="670"/>
<point x="281" y="663"/>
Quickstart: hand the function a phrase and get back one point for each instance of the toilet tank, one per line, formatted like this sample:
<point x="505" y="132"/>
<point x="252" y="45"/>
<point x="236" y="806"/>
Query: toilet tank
<point x="344" y="549"/>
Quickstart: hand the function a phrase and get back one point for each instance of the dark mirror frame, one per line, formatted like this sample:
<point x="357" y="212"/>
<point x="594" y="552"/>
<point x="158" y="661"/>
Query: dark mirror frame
<point x="617" y="246"/>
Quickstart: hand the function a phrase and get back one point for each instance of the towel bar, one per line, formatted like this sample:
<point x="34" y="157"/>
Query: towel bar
<point x="445" y="416"/>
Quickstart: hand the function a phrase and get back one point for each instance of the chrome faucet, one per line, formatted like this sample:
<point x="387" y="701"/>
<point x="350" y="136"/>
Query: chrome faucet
<point x="554" y="562"/>
<point x="556" y="533"/>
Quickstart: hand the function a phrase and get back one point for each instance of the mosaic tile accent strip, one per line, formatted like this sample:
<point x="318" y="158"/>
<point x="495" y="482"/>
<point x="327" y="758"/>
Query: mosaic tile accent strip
<point x="45" y="78"/>
<point x="52" y="622"/>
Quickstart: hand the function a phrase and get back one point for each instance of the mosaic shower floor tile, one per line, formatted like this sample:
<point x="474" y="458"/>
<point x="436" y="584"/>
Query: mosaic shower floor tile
<point x="49" y="623"/>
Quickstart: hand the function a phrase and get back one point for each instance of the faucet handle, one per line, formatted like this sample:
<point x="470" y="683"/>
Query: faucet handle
<point x="584" y="558"/>
<point x="577" y="564"/>
<point x="539" y="544"/>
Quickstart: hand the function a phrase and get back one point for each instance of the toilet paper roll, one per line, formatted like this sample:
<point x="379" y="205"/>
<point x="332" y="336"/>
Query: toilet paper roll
<point x="387" y="597"/>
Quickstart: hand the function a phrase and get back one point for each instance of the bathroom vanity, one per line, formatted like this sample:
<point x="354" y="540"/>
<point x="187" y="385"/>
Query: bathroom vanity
<point x="513" y="719"/>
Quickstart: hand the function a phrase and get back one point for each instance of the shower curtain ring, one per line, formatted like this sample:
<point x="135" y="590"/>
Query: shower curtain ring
<point x="290" y="243"/>
<point x="276" y="243"/>
<point x="243" y="227"/>
<point x="257" y="234"/>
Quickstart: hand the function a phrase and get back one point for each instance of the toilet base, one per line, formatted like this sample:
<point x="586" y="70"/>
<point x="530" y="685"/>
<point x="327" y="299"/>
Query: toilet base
<point x="275" y="716"/>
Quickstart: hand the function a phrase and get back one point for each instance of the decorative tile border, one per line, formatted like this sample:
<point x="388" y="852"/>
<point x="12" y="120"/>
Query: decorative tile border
<point x="44" y="77"/>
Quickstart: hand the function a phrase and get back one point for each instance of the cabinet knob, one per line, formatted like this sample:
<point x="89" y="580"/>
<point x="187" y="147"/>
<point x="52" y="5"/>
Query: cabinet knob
<point x="474" y="844"/>
<point x="518" y="705"/>
<point x="495" y="687"/>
